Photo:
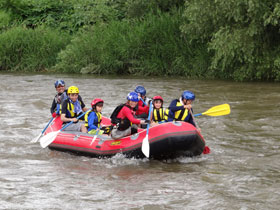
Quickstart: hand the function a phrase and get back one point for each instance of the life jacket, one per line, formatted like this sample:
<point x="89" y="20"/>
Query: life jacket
<point x="179" y="115"/>
<point x="122" y="124"/>
<point x="70" y="110"/>
<point x="59" y="101"/>
<point x="96" y="122"/>
<point x="158" y="115"/>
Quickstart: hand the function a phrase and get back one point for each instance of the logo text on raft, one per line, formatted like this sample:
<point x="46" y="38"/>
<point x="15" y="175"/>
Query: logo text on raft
<point x="116" y="143"/>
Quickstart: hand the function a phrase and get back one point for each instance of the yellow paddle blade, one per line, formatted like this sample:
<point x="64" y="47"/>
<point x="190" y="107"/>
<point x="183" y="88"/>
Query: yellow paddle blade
<point x="223" y="109"/>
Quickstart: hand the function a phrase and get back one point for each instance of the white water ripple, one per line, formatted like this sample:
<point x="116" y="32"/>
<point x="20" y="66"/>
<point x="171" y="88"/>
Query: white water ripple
<point x="242" y="171"/>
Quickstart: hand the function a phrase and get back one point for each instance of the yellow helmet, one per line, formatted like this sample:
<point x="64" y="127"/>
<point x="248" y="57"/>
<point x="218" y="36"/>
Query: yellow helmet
<point x="73" y="89"/>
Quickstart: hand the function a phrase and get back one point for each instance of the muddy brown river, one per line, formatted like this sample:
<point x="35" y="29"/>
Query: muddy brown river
<point x="241" y="172"/>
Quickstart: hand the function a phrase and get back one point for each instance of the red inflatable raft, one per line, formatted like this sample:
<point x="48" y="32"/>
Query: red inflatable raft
<point x="167" y="140"/>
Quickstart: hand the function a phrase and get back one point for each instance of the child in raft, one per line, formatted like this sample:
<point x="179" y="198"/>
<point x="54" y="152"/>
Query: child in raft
<point x="158" y="111"/>
<point x="94" y="117"/>
<point x="72" y="108"/>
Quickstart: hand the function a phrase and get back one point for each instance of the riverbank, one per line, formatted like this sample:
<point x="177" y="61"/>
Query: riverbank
<point x="162" y="38"/>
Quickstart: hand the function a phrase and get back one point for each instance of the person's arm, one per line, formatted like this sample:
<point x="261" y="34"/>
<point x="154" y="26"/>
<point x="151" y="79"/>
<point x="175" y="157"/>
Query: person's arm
<point x="85" y="109"/>
<point x="127" y="113"/>
<point x="171" y="113"/>
<point x="66" y="119"/>
<point x="175" y="108"/>
<point x="53" y="107"/>
<point x="91" y="119"/>
<point x="83" y="106"/>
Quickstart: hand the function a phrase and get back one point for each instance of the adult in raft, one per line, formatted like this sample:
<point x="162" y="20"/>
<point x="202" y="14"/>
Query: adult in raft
<point x="179" y="109"/>
<point x="72" y="108"/>
<point x="123" y="118"/>
<point x="59" y="97"/>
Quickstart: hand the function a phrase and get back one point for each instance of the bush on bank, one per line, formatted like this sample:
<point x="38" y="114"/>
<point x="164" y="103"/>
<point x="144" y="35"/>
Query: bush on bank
<point x="153" y="46"/>
<point x="23" y="49"/>
<point x="236" y="40"/>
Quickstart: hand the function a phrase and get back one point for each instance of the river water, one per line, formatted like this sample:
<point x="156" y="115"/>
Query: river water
<point x="242" y="171"/>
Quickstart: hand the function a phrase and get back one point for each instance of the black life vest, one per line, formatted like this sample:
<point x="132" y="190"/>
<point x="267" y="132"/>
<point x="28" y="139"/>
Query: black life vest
<point x="114" y="119"/>
<point x="59" y="99"/>
<point x="122" y="124"/>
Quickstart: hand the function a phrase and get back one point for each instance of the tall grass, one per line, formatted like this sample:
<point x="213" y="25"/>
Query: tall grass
<point x="24" y="49"/>
<point x="4" y="20"/>
<point x="152" y="46"/>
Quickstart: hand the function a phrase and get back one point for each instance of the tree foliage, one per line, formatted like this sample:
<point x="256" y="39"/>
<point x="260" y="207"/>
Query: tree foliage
<point x="243" y="37"/>
<point x="228" y="39"/>
<point x="71" y="15"/>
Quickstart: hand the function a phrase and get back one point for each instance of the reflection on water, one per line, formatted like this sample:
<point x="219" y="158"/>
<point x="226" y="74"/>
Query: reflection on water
<point x="242" y="172"/>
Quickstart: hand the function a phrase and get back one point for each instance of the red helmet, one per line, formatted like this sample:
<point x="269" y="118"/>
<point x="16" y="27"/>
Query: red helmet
<point x="158" y="98"/>
<point x="96" y="101"/>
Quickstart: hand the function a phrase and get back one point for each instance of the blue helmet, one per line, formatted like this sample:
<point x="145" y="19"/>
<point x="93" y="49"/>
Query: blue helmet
<point x="188" y="95"/>
<point x="140" y="89"/>
<point x="132" y="96"/>
<point x="59" y="82"/>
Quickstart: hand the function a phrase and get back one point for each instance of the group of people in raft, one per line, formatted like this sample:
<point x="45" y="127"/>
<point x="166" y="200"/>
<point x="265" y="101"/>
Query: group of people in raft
<point x="126" y="118"/>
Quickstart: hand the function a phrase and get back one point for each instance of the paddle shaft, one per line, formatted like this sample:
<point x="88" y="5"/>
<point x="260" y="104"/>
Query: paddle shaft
<point x="43" y="131"/>
<point x="193" y="119"/>
<point x="143" y="101"/>
<point x="73" y="121"/>
<point x="149" y="117"/>
<point x="206" y="149"/>
<point x="145" y="143"/>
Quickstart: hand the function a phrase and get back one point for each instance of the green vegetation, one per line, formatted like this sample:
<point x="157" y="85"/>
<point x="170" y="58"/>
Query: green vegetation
<point x="151" y="46"/>
<point x="243" y="37"/>
<point x="30" y="50"/>
<point x="237" y="40"/>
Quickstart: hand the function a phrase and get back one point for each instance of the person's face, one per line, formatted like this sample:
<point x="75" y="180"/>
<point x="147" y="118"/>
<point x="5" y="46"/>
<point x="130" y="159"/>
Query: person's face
<point x="141" y="96"/>
<point x="99" y="108"/>
<point x="187" y="102"/>
<point x="132" y="104"/>
<point x="60" y="88"/>
<point x="157" y="104"/>
<point x="73" y="96"/>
